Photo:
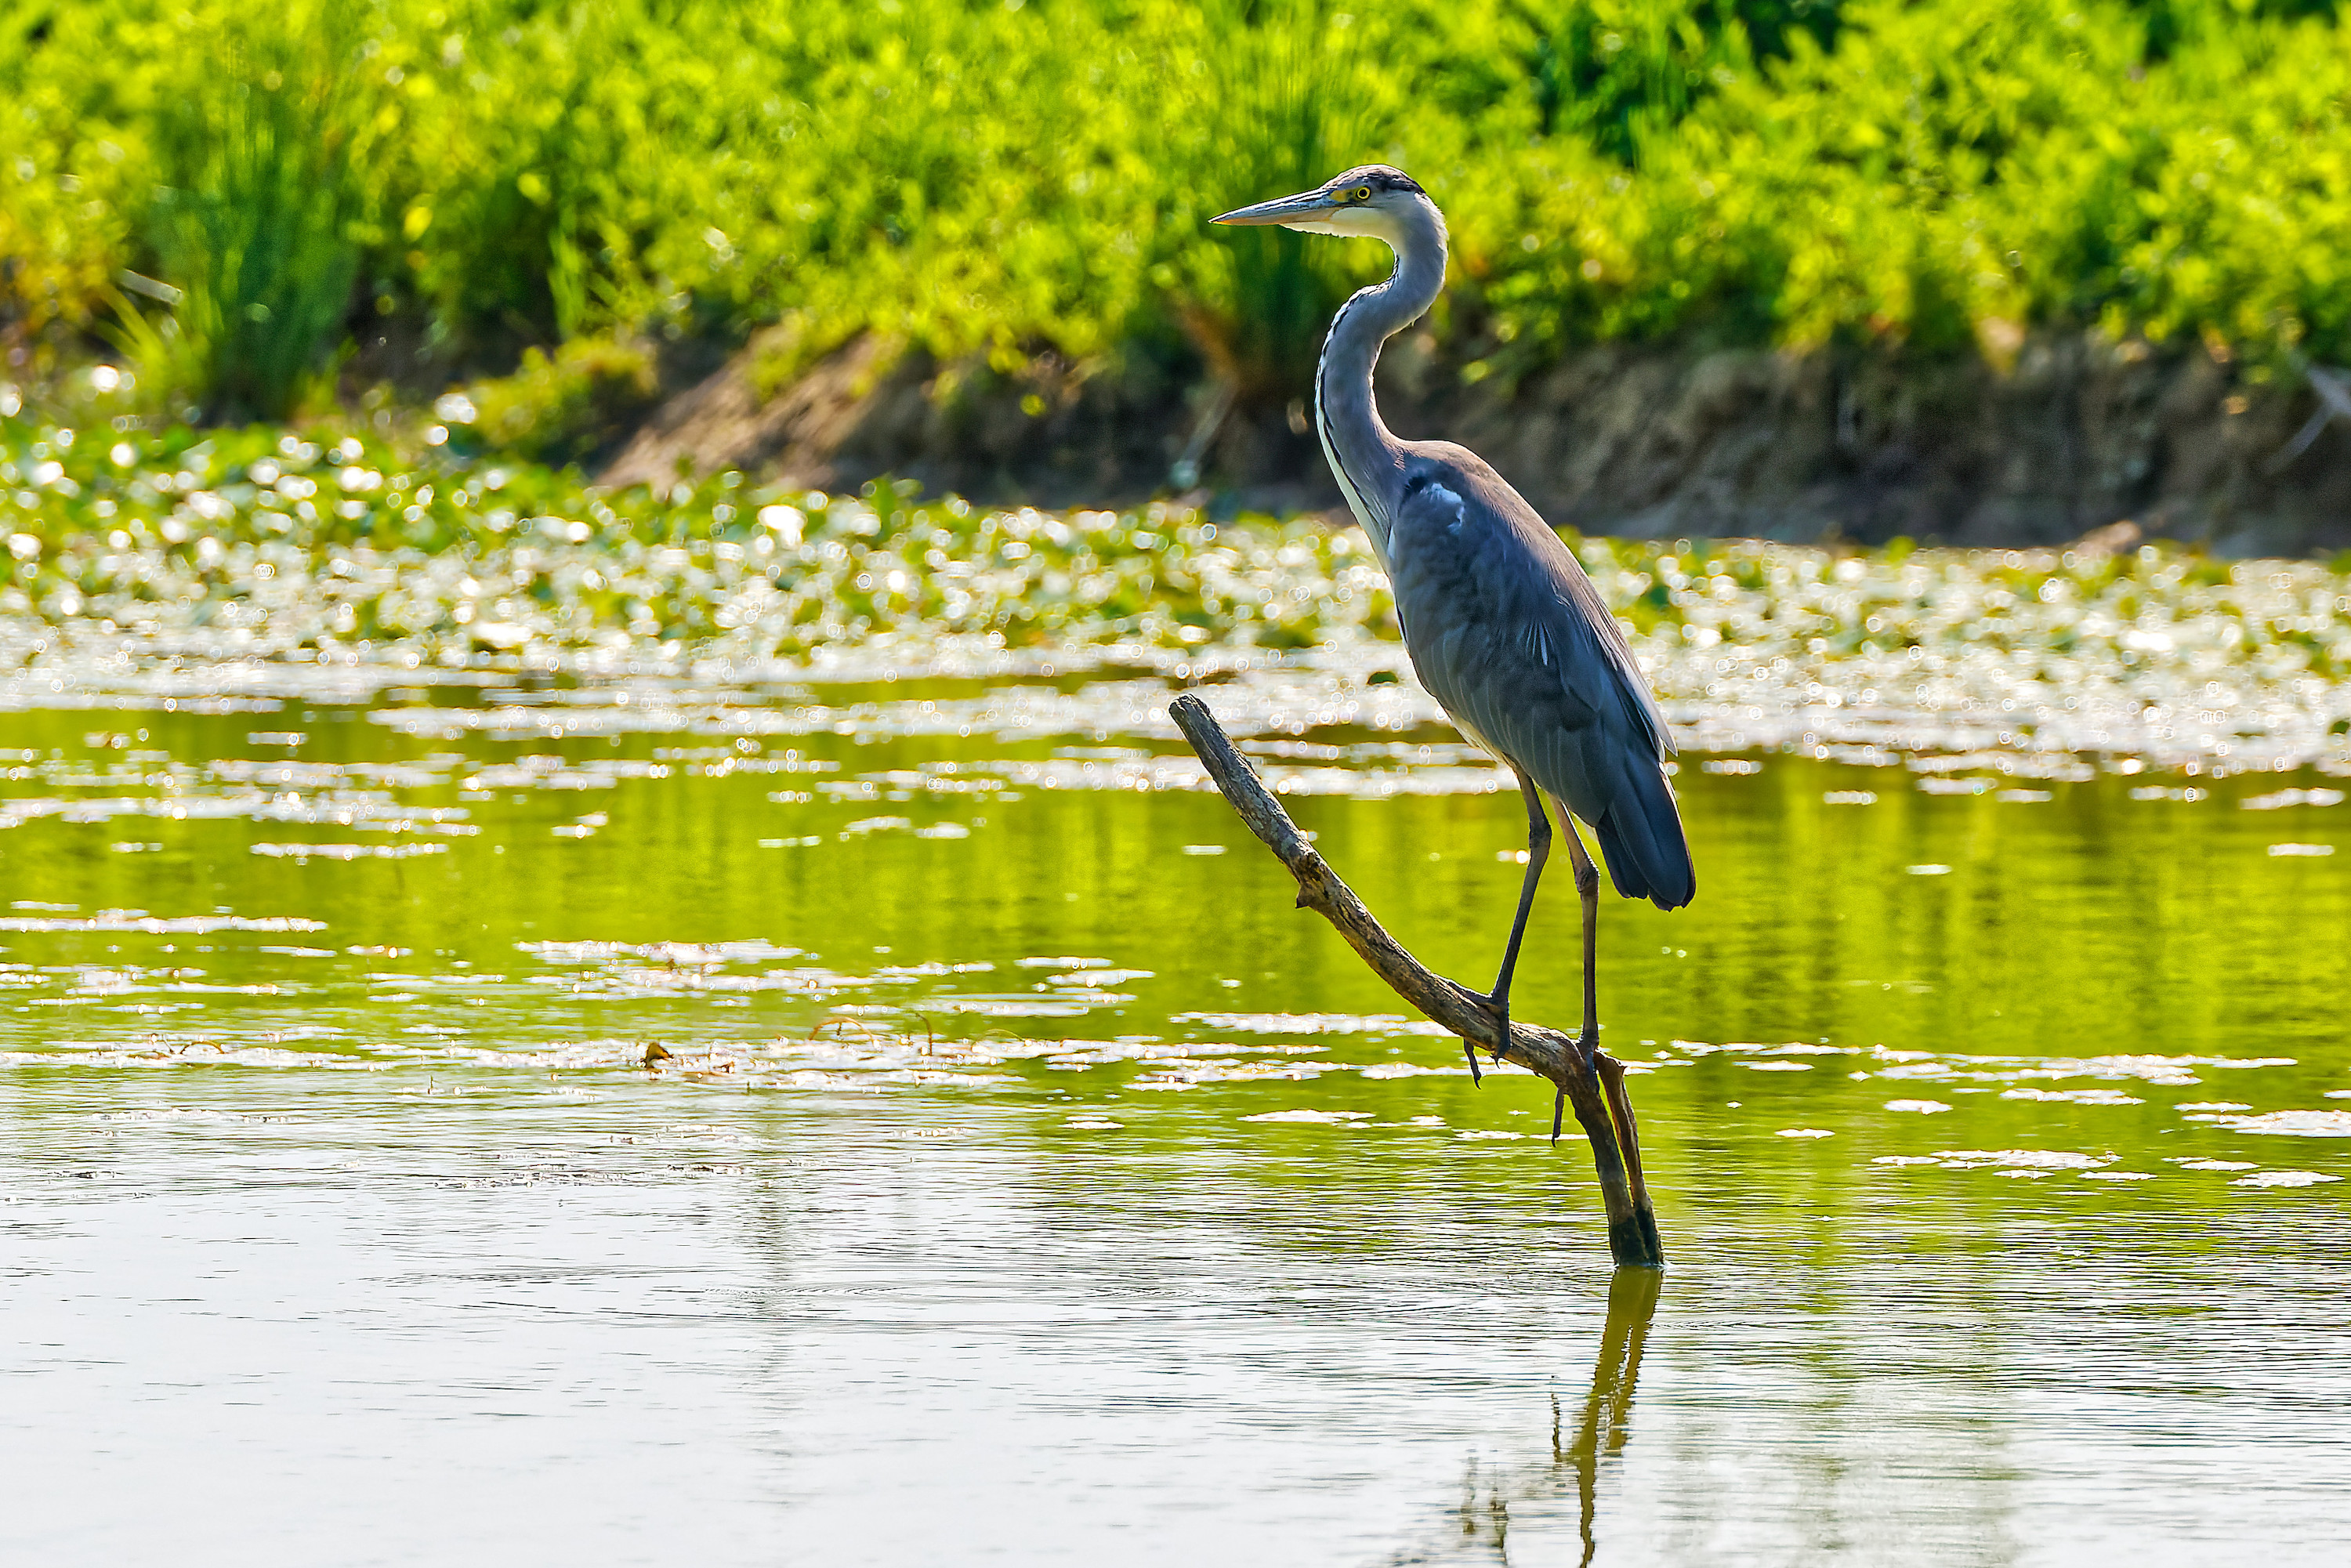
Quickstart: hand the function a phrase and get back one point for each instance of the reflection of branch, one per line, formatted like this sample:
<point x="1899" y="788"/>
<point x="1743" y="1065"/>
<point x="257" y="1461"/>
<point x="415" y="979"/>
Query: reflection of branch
<point x="1632" y="1302"/>
<point x="1632" y="1223"/>
<point x="1488" y="1496"/>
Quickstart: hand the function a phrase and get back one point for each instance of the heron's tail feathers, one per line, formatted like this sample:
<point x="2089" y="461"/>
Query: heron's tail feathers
<point x="1641" y="834"/>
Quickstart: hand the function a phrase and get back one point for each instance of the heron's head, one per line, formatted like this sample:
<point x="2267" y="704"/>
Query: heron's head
<point x="1374" y="201"/>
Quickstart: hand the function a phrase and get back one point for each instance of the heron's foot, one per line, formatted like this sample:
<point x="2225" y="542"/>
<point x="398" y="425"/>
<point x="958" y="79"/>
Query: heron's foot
<point x="1500" y="1002"/>
<point x="1588" y="1042"/>
<point x="1558" y="1111"/>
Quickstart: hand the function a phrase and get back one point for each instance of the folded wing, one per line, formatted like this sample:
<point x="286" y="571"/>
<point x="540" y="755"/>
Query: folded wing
<point x="1508" y="634"/>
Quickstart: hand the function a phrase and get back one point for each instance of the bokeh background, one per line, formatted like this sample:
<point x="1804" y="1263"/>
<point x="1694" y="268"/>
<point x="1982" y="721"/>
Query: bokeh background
<point x="274" y="209"/>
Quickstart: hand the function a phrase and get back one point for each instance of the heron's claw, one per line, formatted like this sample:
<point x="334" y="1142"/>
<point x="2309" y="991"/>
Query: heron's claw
<point x="1469" y="1050"/>
<point x="1589" y="1044"/>
<point x="1501" y="1003"/>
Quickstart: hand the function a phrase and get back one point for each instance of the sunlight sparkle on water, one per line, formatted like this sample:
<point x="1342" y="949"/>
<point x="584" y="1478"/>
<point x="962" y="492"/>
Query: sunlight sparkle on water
<point x="837" y="1025"/>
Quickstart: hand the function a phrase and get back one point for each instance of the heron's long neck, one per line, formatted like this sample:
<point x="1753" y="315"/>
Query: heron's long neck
<point x="1367" y="459"/>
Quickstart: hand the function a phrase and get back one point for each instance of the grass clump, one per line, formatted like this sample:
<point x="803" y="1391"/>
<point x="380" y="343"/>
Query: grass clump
<point x="256" y="213"/>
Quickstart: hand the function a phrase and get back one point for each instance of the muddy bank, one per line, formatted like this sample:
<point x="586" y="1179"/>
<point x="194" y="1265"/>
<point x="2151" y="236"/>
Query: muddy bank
<point x="2075" y="433"/>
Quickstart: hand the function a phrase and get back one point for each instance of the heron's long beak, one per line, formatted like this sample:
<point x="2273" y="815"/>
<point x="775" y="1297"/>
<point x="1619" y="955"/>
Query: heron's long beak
<point x="1307" y="204"/>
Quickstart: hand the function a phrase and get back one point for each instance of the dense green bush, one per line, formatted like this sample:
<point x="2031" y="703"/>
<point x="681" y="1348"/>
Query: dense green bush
<point x="1003" y="175"/>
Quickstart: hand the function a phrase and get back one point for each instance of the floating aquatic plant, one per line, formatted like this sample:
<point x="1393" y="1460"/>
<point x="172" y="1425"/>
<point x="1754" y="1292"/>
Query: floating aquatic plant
<point x="133" y="547"/>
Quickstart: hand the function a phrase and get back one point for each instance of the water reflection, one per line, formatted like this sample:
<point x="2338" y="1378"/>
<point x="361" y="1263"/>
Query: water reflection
<point x="1072" y="1172"/>
<point x="1606" y="1426"/>
<point x="1581" y="1456"/>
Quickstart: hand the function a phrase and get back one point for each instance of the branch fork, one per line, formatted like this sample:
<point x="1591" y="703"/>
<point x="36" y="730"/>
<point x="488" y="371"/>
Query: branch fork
<point x="1594" y="1087"/>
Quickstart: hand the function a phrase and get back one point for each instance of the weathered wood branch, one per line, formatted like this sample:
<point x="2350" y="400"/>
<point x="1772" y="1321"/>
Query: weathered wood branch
<point x="2334" y="390"/>
<point x="1632" y="1224"/>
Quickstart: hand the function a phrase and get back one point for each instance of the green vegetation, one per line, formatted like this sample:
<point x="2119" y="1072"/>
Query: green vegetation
<point x="129" y="542"/>
<point x="561" y="406"/>
<point x="471" y="177"/>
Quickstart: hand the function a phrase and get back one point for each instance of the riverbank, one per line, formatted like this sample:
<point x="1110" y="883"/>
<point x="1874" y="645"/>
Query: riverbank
<point x="2062" y="436"/>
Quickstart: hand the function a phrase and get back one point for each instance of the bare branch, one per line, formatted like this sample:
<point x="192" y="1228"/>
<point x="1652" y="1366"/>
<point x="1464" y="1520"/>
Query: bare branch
<point x="1632" y="1224"/>
<point x="2334" y="390"/>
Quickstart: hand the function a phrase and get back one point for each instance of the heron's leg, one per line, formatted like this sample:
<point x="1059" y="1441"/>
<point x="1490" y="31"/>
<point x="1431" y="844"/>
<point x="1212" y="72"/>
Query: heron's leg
<point x="1611" y="1073"/>
<point x="1537" y="852"/>
<point x="1587" y="891"/>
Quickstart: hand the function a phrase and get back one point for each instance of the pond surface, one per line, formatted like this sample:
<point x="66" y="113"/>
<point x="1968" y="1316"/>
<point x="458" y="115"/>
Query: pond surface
<point x="653" y="1121"/>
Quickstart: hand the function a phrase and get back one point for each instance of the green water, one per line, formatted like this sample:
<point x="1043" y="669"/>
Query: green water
<point x="1026" y="1177"/>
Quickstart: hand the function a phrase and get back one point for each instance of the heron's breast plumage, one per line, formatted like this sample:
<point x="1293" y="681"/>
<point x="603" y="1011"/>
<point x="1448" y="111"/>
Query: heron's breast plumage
<point x="1338" y="397"/>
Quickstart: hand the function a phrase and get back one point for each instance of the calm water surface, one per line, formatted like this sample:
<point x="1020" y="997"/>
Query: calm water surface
<point x="1025" y="1181"/>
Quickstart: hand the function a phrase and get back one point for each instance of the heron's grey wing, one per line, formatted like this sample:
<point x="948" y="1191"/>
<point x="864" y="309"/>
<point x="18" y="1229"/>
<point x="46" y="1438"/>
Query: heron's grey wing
<point x="1510" y="636"/>
<point x="1488" y="491"/>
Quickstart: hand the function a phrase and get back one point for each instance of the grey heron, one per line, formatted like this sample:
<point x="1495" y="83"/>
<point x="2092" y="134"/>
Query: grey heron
<point x="1502" y="626"/>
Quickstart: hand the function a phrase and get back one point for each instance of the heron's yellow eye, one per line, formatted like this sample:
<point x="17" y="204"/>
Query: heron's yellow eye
<point x="1360" y="193"/>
